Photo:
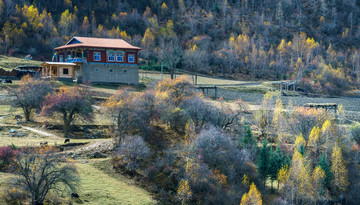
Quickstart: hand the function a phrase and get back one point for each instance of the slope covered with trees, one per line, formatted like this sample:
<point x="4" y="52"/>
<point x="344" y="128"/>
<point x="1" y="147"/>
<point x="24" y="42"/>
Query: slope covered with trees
<point x="305" y="40"/>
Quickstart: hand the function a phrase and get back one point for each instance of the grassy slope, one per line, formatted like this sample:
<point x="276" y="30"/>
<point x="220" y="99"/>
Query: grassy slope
<point x="97" y="187"/>
<point x="9" y="63"/>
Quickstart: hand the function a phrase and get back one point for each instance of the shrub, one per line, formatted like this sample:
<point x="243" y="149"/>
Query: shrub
<point x="7" y="155"/>
<point x="355" y="132"/>
<point x="175" y="118"/>
<point x="218" y="151"/>
<point x="131" y="153"/>
<point x="198" y="110"/>
<point x="15" y="195"/>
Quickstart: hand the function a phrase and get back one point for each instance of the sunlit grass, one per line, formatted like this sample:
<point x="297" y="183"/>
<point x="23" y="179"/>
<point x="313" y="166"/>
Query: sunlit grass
<point x="97" y="187"/>
<point x="9" y="63"/>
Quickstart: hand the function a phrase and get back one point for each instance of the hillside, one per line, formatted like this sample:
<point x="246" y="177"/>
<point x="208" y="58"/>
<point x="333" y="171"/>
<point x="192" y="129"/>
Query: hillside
<point x="304" y="40"/>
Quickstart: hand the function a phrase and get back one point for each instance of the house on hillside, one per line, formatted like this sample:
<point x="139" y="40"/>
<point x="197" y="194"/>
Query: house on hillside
<point x="95" y="60"/>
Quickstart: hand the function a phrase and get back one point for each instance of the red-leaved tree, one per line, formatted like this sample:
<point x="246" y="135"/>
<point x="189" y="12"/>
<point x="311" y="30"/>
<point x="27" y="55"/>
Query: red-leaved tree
<point x="70" y="103"/>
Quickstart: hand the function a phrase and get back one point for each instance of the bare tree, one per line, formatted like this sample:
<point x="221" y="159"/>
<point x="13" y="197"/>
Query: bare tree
<point x="41" y="170"/>
<point x="30" y="94"/>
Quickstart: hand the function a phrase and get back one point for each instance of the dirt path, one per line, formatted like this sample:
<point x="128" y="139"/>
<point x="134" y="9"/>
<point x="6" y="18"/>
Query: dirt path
<point x="41" y="132"/>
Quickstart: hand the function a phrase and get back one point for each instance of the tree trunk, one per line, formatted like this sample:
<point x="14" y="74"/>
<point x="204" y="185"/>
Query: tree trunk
<point x="67" y="123"/>
<point x="27" y="114"/>
<point x="172" y="73"/>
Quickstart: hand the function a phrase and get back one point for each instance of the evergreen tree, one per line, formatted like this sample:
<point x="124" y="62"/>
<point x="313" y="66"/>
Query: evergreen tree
<point x="263" y="161"/>
<point x="248" y="139"/>
<point x="276" y="162"/>
<point x="301" y="149"/>
<point x="323" y="162"/>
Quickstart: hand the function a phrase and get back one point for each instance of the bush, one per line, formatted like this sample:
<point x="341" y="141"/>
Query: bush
<point x="218" y="151"/>
<point x="355" y="132"/>
<point x="15" y="196"/>
<point x="131" y="153"/>
<point x="7" y="155"/>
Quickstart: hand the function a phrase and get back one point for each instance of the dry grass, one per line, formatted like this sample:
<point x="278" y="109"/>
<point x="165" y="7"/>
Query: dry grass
<point x="9" y="63"/>
<point x="146" y="76"/>
<point x="98" y="187"/>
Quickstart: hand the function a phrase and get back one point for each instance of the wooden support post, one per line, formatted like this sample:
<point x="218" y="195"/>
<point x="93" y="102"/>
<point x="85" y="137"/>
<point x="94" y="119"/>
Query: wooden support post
<point x="162" y="72"/>
<point x="294" y="89"/>
<point x="280" y="89"/>
<point x="216" y="91"/>
<point x="287" y="89"/>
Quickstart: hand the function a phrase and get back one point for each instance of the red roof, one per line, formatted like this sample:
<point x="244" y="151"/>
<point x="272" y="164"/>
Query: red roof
<point x="98" y="43"/>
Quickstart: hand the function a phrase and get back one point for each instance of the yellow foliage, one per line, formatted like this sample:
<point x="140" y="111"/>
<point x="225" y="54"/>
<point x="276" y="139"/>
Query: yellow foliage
<point x="164" y="6"/>
<point x="338" y="169"/>
<point x="315" y="136"/>
<point x="245" y="181"/>
<point x="300" y="141"/>
<point x="279" y="117"/>
<point x="148" y="39"/>
<point x="253" y="197"/>
<point x="283" y="175"/>
<point x="184" y="191"/>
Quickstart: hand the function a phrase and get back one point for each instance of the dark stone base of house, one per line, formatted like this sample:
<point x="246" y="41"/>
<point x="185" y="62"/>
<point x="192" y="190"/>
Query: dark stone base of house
<point x="110" y="73"/>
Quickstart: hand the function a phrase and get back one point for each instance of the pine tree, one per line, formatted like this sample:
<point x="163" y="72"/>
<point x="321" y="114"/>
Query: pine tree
<point x="263" y="161"/>
<point x="338" y="169"/>
<point x="277" y="161"/>
<point x="323" y="162"/>
<point x="248" y="139"/>
<point x="253" y="197"/>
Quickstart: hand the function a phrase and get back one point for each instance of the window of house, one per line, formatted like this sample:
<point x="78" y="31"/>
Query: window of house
<point x="119" y="58"/>
<point x="68" y="56"/>
<point x="131" y="58"/>
<point x="66" y="71"/>
<point x="111" y="57"/>
<point x="61" y="58"/>
<point x="97" y="56"/>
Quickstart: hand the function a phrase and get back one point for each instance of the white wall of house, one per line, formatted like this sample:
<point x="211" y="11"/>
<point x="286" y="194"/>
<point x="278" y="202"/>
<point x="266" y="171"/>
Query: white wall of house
<point x="69" y="71"/>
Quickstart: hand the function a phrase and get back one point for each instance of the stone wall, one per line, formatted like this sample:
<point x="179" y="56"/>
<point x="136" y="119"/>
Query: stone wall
<point x="110" y="73"/>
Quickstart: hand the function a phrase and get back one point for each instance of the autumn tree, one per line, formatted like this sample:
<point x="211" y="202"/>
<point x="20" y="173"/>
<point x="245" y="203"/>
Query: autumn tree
<point x="131" y="113"/>
<point x="42" y="171"/>
<point x="296" y="181"/>
<point x="71" y="104"/>
<point x="279" y="120"/>
<point x="339" y="171"/>
<point x="253" y="197"/>
<point x="184" y="192"/>
<point x="264" y="116"/>
<point x="30" y="93"/>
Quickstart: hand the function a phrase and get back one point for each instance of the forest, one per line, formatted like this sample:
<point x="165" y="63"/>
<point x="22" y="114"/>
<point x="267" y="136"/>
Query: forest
<point x="313" y="42"/>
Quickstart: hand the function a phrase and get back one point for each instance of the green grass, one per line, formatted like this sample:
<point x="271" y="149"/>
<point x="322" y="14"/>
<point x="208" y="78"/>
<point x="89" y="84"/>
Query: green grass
<point x="9" y="63"/>
<point x="97" y="187"/>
